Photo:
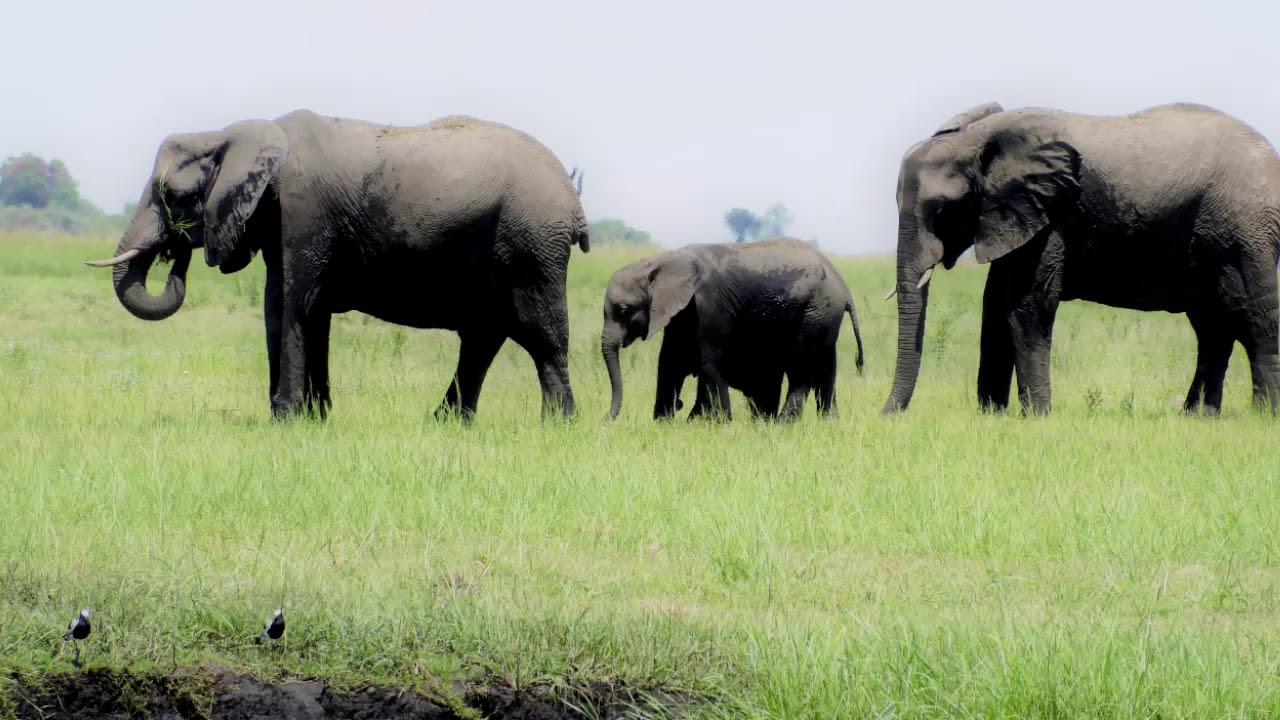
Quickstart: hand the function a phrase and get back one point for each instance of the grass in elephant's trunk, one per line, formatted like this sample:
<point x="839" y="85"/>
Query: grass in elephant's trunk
<point x="1115" y="559"/>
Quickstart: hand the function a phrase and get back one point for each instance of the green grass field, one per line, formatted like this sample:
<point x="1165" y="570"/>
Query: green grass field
<point x="1115" y="560"/>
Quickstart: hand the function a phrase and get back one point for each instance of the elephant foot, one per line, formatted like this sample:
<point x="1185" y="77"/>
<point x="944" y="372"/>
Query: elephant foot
<point x="452" y="413"/>
<point x="280" y="412"/>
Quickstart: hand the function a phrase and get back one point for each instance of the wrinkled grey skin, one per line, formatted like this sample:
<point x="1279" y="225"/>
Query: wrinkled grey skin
<point x="460" y="224"/>
<point x="736" y="316"/>
<point x="1175" y="208"/>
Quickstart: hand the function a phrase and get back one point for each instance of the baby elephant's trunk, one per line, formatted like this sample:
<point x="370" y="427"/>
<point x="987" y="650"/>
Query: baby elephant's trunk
<point x="610" y="341"/>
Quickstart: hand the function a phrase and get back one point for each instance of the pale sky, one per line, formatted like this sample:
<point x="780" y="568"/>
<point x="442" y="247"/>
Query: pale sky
<point x="676" y="109"/>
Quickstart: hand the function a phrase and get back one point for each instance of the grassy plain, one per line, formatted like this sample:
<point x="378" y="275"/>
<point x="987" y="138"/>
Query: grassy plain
<point x="1114" y="560"/>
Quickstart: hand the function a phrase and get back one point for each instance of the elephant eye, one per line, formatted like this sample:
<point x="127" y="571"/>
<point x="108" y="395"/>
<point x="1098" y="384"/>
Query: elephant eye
<point x="622" y="308"/>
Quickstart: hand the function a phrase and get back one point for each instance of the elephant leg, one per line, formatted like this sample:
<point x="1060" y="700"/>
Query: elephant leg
<point x="713" y="391"/>
<point x="476" y="351"/>
<point x="288" y="399"/>
<point x="316" y="392"/>
<point x="542" y="329"/>
<point x="1031" y="324"/>
<point x="995" y="359"/>
<point x="765" y="397"/>
<point x="825" y="380"/>
<point x="800" y="383"/>
<point x="1032" y="339"/>
<point x="702" y="399"/>
<point x="273" y="312"/>
<point x="1257" y="322"/>
<point x="1214" y="341"/>
<point x="671" y="377"/>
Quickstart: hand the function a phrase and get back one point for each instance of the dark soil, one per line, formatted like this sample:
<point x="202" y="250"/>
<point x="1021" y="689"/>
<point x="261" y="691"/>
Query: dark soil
<point x="224" y="695"/>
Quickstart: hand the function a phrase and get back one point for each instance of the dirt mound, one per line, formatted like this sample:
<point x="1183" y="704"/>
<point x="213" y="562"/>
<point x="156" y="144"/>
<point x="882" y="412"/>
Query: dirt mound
<point x="225" y="695"/>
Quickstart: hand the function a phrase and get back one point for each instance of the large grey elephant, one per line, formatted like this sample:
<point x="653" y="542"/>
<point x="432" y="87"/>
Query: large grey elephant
<point x="461" y="224"/>
<point x="1174" y="208"/>
<point x="737" y="316"/>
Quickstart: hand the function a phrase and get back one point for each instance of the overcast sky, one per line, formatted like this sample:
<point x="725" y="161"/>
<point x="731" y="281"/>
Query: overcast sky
<point x="677" y="109"/>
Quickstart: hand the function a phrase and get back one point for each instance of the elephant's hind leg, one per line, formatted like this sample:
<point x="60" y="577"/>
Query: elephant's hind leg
<point x="765" y="397"/>
<point x="542" y="329"/>
<point x="1213" y="353"/>
<point x="825" y="380"/>
<point x="475" y="354"/>
<point x="1255" y="311"/>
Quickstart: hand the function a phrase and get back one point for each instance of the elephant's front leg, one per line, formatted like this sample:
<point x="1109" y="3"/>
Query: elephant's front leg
<point x="273" y="315"/>
<point x="713" y="390"/>
<point x="297" y="321"/>
<point x="671" y="375"/>
<point x="1032" y="325"/>
<point x="316" y="393"/>
<point x="995" y="359"/>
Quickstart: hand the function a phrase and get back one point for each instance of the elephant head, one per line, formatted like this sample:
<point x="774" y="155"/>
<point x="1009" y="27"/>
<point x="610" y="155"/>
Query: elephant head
<point x="640" y="301"/>
<point x="203" y="190"/>
<point x="986" y="179"/>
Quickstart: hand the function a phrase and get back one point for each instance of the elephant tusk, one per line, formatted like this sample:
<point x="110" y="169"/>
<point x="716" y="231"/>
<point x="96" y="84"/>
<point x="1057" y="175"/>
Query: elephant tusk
<point x="891" y="293"/>
<point x="124" y="257"/>
<point x="924" y="279"/>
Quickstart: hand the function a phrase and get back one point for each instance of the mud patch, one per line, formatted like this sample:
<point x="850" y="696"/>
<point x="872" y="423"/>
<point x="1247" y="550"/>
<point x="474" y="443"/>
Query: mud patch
<point x="221" y="694"/>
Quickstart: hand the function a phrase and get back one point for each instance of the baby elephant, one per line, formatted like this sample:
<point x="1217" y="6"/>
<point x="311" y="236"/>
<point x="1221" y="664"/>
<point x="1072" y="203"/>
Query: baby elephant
<point x="736" y="316"/>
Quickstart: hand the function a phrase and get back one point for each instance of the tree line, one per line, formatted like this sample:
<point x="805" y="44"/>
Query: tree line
<point x="38" y="195"/>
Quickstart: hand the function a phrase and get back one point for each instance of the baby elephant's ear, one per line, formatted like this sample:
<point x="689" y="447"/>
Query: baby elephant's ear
<point x="252" y="154"/>
<point x="672" y="282"/>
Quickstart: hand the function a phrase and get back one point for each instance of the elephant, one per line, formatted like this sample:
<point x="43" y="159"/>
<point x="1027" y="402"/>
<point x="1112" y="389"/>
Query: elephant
<point x="1173" y="208"/>
<point x="736" y="315"/>
<point x="462" y="224"/>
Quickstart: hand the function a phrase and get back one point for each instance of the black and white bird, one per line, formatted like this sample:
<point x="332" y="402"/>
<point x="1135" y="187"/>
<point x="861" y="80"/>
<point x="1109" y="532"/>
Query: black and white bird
<point x="77" y="631"/>
<point x="274" y="629"/>
<point x="79" y="628"/>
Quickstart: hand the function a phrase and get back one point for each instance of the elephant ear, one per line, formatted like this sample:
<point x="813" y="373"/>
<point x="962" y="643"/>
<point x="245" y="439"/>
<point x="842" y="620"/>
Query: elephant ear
<point x="968" y="117"/>
<point x="672" y="283"/>
<point x="1022" y="179"/>
<point x="250" y="157"/>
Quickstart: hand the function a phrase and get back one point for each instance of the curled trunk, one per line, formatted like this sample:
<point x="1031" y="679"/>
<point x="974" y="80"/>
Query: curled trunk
<point x="146" y="235"/>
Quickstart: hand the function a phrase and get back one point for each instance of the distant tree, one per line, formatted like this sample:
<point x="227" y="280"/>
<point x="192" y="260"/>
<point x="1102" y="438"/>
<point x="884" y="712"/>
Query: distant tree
<point x="742" y="223"/>
<point x="615" y="232"/>
<point x="746" y="225"/>
<point x="775" y="221"/>
<point x="22" y="182"/>
<point x="41" y="196"/>
<point x="64" y="191"/>
<point x="29" y="180"/>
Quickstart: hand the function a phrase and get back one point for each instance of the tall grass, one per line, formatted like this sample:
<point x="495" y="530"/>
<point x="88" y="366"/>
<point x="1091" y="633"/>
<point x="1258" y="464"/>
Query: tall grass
<point x="1113" y="560"/>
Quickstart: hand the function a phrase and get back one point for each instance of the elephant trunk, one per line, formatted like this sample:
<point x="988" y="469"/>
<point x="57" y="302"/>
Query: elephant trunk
<point x="913" y="302"/>
<point x="609" y="344"/>
<point x="138" y="249"/>
<point x="912" y="305"/>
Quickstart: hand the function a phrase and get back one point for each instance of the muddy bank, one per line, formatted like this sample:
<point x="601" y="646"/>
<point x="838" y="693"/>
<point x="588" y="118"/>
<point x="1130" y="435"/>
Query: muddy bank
<point x="224" y="695"/>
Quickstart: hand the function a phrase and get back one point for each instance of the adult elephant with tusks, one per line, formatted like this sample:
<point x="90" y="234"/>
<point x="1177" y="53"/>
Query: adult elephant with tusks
<point x="461" y="224"/>
<point x="1175" y="208"/>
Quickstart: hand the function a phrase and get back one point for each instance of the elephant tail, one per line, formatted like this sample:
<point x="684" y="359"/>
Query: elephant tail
<point x="581" y="237"/>
<point x="857" y="331"/>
